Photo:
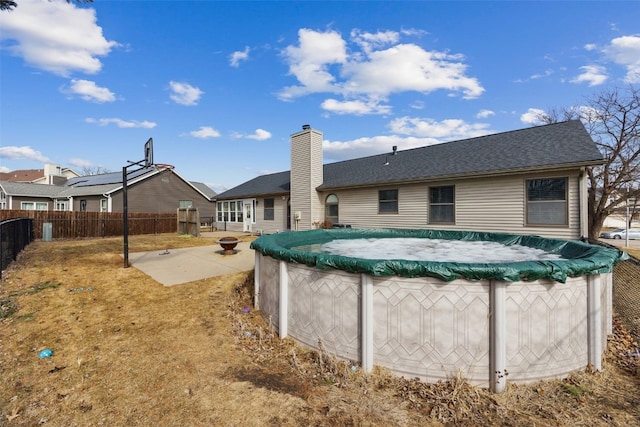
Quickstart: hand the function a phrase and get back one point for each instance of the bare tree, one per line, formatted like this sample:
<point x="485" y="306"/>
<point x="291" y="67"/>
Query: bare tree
<point x="10" y="4"/>
<point x="94" y="170"/>
<point x="612" y="118"/>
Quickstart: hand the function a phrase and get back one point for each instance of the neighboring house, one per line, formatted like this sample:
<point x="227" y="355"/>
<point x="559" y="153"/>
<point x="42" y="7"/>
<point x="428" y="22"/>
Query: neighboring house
<point x="151" y="190"/>
<point x="529" y="181"/>
<point x="52" y="174"/>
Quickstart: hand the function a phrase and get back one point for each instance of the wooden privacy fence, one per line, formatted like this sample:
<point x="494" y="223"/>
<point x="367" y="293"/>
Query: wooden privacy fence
<point x="72" y="225"/>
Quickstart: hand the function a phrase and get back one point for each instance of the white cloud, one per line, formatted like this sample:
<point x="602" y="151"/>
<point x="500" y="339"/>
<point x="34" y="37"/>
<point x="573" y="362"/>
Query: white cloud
<point x="369" y="41"/>
<point x="89" y="91"/>
<point x="4" y="169"/>
<point x="417" y="105"/>
<point x="409" y="133"/>
<point x="483" y="114"/>
<point x="357" y="108"/>
<point x="121" y="123"/>
<point x="21" y="153"/>
<point x="323" y="63"/>
<point x="625" y="51"/>
<point x="445" y="130"/>
<point x="532" y="116"/>
<point x="55" y="36"/>
<point x="310" y="61"/>
<point x="80" y="163"/>
<point x="260" y="135"/>
<point x="594" y="75"/>
<point x="237" y="56"/>
<point x="184" y="93"/>
<point x="205" y="132"/>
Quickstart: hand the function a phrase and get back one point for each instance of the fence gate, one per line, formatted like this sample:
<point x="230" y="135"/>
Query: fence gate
<point x="189" y="221"/>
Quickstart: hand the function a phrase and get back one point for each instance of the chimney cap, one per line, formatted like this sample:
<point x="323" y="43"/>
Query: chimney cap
<point x="395" y="148"/>
<point x="306" y="127"/>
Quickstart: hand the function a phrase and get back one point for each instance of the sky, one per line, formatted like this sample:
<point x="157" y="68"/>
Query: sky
<point x="221" y="86"/>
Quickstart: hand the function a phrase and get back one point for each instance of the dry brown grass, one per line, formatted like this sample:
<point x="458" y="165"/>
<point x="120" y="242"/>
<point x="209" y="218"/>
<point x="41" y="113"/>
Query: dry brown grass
<point x="128" y="351"/>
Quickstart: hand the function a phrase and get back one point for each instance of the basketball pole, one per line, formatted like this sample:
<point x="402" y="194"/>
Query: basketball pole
<point x="147" y="162"/>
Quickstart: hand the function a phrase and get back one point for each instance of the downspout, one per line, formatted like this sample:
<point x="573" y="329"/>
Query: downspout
<point x="583" y="203"/>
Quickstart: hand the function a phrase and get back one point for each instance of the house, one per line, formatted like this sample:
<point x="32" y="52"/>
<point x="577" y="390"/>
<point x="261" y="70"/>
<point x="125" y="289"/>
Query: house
<point x="150" y="190"/>
<point x="528" y="181"/>
<point x="52" y="174"/>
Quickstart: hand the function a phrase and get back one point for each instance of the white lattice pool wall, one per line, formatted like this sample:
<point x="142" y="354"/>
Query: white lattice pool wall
<point x="431" y="329"/>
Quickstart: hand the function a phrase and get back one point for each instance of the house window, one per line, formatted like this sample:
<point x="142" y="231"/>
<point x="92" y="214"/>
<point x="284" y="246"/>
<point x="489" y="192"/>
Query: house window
<point x="62" y="205"/>
<point x="388" y="201"/>
<point x="229" y="211"/>
<point x="547" y="201"/>
<point x="239" y="211"/>
<point x="104" y="207"/>
<point x="331" y="209"/>
<point x="3" y="200"/>
<point x="442" y="208"/>
<point x="185" y="204"/>
<point x="268" y="209"/>
<point x="83" y="205"/>
<point x="34" y="206"/>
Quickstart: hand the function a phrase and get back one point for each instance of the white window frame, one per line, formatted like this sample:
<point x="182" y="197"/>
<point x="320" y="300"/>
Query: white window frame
<point x="61" y="205"/>
<point x="447" y="204"/>
<point x="34" y="206"/>
<point x="547" y="204"/>
<point x="386" y="205"/>
<point x="229" y="211"/>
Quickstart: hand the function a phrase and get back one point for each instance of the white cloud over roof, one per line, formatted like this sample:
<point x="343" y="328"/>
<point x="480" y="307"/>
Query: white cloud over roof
<point x="24" y="152"/>
<point x="368" y="70"/>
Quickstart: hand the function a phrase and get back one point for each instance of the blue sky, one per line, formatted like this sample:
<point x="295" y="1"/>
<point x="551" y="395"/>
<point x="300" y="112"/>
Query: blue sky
<point x="221" y="86"/>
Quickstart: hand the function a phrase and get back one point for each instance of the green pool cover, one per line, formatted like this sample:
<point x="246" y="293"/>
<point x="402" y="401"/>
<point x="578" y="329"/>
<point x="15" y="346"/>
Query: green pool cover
<point x="579" y="258"/>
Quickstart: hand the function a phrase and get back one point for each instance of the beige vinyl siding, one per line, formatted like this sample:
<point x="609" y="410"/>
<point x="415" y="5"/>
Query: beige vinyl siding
<point x="279" y="222"/>
<point x="482" y="204"/>
<point x="306" y="176"/>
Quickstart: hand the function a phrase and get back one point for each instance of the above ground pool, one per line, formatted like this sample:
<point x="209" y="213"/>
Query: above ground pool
<point x="489" y="320"/>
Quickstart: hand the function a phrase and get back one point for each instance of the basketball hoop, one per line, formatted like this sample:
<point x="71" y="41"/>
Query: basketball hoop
<point x="163" y="166"/>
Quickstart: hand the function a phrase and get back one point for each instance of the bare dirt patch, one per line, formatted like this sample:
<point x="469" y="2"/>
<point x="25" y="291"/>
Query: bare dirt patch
<point x="128" y="351"/>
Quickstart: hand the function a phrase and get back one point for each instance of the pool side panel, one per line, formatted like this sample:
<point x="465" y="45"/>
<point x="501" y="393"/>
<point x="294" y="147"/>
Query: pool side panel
<point x="269" y="290"/>
<point x="325" y="305"/>
<point x="427" y="328"/>
<point x="546" y="329"/>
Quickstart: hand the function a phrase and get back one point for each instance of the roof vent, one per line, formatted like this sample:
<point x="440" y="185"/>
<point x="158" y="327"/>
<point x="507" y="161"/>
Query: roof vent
<point x="306" y="127"/>
<point x="395" y="149"/>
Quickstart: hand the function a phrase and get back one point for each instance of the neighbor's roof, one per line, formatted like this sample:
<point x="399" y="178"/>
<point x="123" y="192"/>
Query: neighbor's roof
<point x="22" y="175"/>
<point x="204" y="189"/>
<point x="30" y="189"/>
<point x="543" y="147"/>
<point x="91" y="185"/>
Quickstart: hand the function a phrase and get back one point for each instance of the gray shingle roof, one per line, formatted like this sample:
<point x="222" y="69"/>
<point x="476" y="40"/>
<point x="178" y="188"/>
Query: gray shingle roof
<point x="204" y="189"/>
<point x="29" y="189"/>
<point x="275" y="183"/>
<point x="549" y="146"/>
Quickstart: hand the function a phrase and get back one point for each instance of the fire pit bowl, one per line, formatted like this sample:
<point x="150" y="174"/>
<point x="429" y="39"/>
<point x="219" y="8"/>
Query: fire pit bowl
<point x="228" y="245"/>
